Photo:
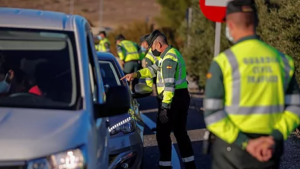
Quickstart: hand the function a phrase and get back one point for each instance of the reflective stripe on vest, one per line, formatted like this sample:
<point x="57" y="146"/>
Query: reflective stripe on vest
<point x="153" y="57"/>
<point x="235" y="107"/>
<point x="161" y="83"/>
<point x="287" y="68"/>
<point x="172" y="80"/>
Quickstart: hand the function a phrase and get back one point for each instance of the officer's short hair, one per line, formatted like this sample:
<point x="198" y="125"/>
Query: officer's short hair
<point x="244" y="20"/>
<point x="154" y="35"/>
<point x="120" y="37"/>
<point x="102" y="32"/>
<point x="143" y="38"/>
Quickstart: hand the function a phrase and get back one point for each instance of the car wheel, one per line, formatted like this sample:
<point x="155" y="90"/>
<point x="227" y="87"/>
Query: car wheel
<point x="142" y="163"/>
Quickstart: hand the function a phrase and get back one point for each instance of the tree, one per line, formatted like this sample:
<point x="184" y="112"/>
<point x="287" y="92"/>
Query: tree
<point x="280" y="27"/>
<point x="173" y="13"/>
<point x="199" y="54"/>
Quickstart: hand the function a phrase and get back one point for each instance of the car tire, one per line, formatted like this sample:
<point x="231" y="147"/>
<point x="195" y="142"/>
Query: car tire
<point x="142" y="162"/>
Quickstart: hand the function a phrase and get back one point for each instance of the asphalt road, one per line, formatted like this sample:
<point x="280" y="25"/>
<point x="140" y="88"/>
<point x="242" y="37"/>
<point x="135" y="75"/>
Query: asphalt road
<point x="196" y="128"/>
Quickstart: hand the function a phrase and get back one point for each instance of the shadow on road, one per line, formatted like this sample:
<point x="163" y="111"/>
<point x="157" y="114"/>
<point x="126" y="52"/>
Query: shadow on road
<point x="194" y="123"/>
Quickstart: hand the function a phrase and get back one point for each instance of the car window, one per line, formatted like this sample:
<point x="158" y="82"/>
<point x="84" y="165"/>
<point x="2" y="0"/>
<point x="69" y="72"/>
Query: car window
<point x="37" y="68"/>
<point x="109" y="74"/>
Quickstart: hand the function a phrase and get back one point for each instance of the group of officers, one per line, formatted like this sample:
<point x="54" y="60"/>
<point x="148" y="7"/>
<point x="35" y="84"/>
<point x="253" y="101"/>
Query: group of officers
<point x="163" y="66"/>
<point x="249" y="115"/>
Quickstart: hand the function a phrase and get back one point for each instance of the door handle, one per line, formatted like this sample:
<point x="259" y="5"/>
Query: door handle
<point x="107" y="123"/>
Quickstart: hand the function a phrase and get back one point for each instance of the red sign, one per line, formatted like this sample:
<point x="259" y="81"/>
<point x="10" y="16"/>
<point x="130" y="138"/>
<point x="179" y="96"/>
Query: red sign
<point x="214" y="10"/>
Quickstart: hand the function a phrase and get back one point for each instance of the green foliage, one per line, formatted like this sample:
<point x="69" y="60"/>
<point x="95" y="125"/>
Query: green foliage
<point x="280" y="27"/>
<point x="172" y="14"/>
<point x="199" y="53"/>
<point x="132" y="32"/>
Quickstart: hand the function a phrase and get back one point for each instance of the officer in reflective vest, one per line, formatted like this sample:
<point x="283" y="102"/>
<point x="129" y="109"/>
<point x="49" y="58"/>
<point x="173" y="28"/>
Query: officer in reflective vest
<point x="104" y="44"/>
<point x="129" y="55"/>
<point x="175" y="99"/>
<point x="149" y="59"/>
<point x="252" y="100"/>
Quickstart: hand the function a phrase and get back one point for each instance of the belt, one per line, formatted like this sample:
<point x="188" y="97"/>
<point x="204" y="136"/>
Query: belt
<point x="133" y="61"/>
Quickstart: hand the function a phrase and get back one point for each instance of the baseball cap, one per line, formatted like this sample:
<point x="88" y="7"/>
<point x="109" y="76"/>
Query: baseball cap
<point x="244" y="6"/>
<point x="151" y="38"/>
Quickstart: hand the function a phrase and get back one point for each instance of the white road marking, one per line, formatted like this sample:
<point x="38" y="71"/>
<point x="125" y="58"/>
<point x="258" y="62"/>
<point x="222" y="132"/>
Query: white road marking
<point x="218" y="3"/>
<point x="175" y="158"/>
<point x="149" y="111"/>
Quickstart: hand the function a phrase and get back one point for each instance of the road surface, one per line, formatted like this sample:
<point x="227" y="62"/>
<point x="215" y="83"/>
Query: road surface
<point x="196" y="128"/>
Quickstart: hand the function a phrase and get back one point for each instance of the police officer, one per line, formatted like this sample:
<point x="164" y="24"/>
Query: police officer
<point x="143" y="50"/>
<point x="149" y="59"/>
<point x="251" y="98"/>
<point x="175" y="99"/>
<point x="129" y="55"/>
<point x="104" y="44"/>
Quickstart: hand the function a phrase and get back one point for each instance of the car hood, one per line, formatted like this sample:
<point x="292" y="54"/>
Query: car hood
<point x="33" y="133"/>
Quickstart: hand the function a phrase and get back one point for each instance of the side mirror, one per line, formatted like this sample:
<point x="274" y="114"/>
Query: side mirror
<point x="106" y="87"/>
<point x="117" y="102"/>
<point x="142" y="90"/>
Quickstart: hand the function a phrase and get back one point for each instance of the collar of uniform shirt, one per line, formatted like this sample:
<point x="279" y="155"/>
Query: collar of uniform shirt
<point x="247" y="38"/>
<point x="167" y="49"/>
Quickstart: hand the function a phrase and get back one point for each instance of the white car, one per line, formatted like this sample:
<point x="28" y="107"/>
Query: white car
<point x="53" y="114"/>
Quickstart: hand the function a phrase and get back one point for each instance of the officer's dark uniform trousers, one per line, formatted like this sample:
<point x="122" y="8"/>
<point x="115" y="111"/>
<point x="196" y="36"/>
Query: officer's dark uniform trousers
<point x="177" y="123"/>
<point x="230" y="156"/>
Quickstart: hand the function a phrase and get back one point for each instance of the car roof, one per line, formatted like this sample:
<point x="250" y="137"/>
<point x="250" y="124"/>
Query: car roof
<point x="35" y="19"/>
<point x="105" y="56"/>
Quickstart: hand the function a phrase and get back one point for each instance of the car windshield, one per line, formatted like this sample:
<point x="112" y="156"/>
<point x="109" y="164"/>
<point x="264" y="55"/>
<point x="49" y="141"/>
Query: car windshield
<point x="109" y="74"/>
<point x="37" y="68"/>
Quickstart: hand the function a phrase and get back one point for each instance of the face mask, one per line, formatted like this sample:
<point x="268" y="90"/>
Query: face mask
<point x="4" y="87"/>
<point x="99" y="37"/>
<point x="228" y="35"/>
<point x="155" y="52"/>
<point x="143" y="49"/>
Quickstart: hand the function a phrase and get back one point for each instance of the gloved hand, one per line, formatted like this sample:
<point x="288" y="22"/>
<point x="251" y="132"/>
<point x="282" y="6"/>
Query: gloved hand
<point x="163" y="116"/>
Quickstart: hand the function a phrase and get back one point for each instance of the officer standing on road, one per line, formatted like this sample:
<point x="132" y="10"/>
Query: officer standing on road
<point x="104" y="44"/>
<point x="129" y="55"/>
<point x="251" y="98"/>
<point x="175" y="100"/>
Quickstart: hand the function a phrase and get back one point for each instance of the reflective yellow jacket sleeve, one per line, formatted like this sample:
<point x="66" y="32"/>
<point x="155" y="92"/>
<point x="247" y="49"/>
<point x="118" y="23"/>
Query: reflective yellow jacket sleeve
<point x="290" y="118"/>
<point x="120" y="53"/>
<point x="168" y="69"/>
<point x="216" y="118"/>
<point x="149" y="82"/>
<point x="148" y="72"/>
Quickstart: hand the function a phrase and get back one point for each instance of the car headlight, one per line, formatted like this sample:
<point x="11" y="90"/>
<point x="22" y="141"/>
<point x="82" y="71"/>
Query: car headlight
<point x="72" y="159"/>
<point x="125" y="126"/>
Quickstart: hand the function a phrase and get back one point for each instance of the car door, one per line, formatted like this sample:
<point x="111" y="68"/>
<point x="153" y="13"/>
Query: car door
<point x="98" y="96"/>
<point x="134" y="103"/>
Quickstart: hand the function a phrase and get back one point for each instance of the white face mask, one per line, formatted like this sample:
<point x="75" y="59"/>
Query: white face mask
<point x="228" y="35"/>
<point x="4" y="87"/>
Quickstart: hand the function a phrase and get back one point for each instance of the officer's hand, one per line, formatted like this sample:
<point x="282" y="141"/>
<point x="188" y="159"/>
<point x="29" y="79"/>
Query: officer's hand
<point x="261" y="148"/>
<point x="130" y="77"/>
<point x="122" y="63"/>
<point x="9" y="76"/>
<point x="163" y="117"/>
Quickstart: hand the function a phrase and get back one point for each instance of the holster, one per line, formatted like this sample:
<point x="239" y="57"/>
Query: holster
<point x="208" y="140"/>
